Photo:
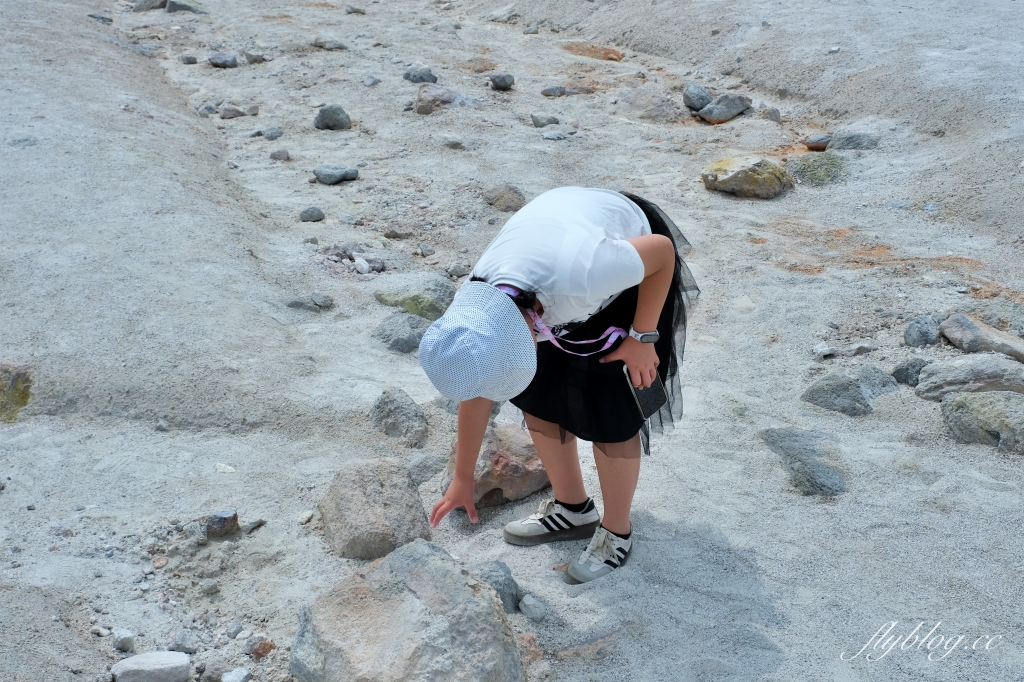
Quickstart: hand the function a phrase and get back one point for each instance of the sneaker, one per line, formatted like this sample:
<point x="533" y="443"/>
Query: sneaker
<point x="553" y="523"/>
<point x="606" y="552"/>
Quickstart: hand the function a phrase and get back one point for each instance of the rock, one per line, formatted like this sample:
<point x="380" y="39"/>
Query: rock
<point x="423" y="466"/>
<point x="817" y="169"/>
<point x="370" y="81"/>
<point x="425" y="250"/>
<point x="501" y="80"/>
<point x="186" y="6"/>
<point x="811" y="459"/>
<point x="158" y="666"/>
<point x="450" y="625"/>
<point x="253" y="641"/>
<point x="253" y="57"/>
<point x="349" y="9"/>
<point x="146" y="5"/>
<point x="371" y="508"/>
<point x="453" y="143"/>
<point x="430" y="98"/>
<point x="334" y="175"/>
<point x="971" y="374"/>
<point x="123" y="640"/>
<point x="851" y="391"/>
<point x="332" y="117"/>
<point x="724" y="108"/>
<point x="532" y="608"/>
<point x="663" y="110"/>
<point x="262" y="650"/>
<point x="401" y="332"/>
<point x="695" y="97"/>
<point x="971" y="335"/>
<point x="311" y="214"/>
<point x="250" y="526"/>
<point x="280" y="155"/>
<point x="992" y="418"/>
<point x="853" y="140"/>
<point x="555" y="136"/>
<point x="186" y="642"/>
<point x="188" y="59"/>
<point x="823" y="350"/>
<point x="220" y="523"/>
<point x="553" y="91"/>
<point x="316" y="302"/>
<point x="771" y="113"/>
<point x="859" y="349"/>
<point x="530" y="31"/>
<point x="223" y="60"/>
<point x="541" y="120"/>
<point x="209" y="587"/>
<point x="243" y="636"/>
<point x="419" y="73"/>
<point x="237" y="675"/>
<point x="399" y="417"/>
<point x="15" y="391"/>
<point x="922" y="331"/>
<point x="194" y="530"/>
<point x="272" y="133"/>
<point x="327" y="42"/>
<point x="817" y="143"/>
<point x="458" y="269"/>
<point x="427" y="296"/>
<point x="253" y="110"/>
<point x="99" y="631"/>
<point x="747" y="177"/>
<point x="909" y="371"/>
<point x="498" y="575"/>
<point x="323" y="301"/>
<point x="233" y="629"/>
<point x="505" y="198"/>
<point x="507" y="469"/>
<point x="362" y="265"/>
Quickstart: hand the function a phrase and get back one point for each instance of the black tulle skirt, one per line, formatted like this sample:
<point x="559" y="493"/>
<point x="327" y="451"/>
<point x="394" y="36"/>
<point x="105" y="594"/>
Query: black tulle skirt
<point x="593" y="401"/>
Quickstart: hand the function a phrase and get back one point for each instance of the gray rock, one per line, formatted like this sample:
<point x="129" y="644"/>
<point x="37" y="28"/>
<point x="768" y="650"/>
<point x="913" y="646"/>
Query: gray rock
<point x="458" y="269"/>
<point x="255" y="640"/>
<point x="186" y="6"/>
<point x="747" y="177"/>
<point x="188" y="59"/>
<point x="971" y="335"/>
<point x="123" y="640"/>
<point x="852" y="391"/>
<point x="401" y="332"/>
<point x="451" y="625"/>
<point x="555" y="136"/>
<point x="854" y="140"/>
<point x="322" y="301"/>
<point x="334" y="175"/>
<point x="817" y="143"/>
<point x="909" y="371"/>
<point x="223" y="60"/>
<point x="971" y="374"/>
<point x="453" y="143"/>
<point x="425" y="250"/>
<point x="314" y="303"/>
<point x="361" y="264"/>
<point x="823" y="350"/>
<point x="194" y="530"/>
<point x="350" y="9"/>
<point x="506" y="198"/>
<point x="553" y="91"/>
<point x="695" y="97"/>
<point x="423" y="466"/>
<point x="859" y="349"/>
<point x="233" y="629"/>
<point x="532" y="608"/>
<point x="399" y="417"/>
<point x="427" y="295"/>
<point x="250" y="526"/>
<point x="106" y="21"/>
<point x="186" y="642"/>
<point x="501" y="80"/>
<point x="431" y="98"/>
<point x="311" y="214"/>
<point x="210" y="586"/>
<point x="146" y="5"/>
<point x="332" y="117"/>
<point x="530" y="31"/>
<point x="817" y="169"/>
<point x="922" y="331"/>
<point x="541" y="120"/>
<point x="724" y="108"/>
<point x="370" y="81"/>
<point x="811" y="459"/>
<point x="419" y="73"/>
<point x="498" y="575"/>
<point x="993" y="418"/>
<point x="371" y="508"/>
<point x="207" y="110"/>
<point x="772" y="114"/>
<point x="280" y="155"/>
<point x="158" y="666"/>
<point x="254" y="57"/>
<point x="327" y="42"/>
<point x="237" y="675"/>
<point x="272" y="133"/>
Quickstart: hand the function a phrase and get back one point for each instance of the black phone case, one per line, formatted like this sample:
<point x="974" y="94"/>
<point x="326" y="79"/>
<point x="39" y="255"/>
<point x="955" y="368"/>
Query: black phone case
<point x="648" y="400"/>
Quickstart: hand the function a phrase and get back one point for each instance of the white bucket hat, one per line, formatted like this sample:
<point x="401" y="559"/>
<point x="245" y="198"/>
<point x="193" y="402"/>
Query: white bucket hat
<point x="480" y="347"/>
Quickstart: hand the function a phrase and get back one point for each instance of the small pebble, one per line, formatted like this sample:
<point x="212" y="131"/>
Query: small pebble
<point x="426" y="250"/>
<point x="311" y="214"/>
<point x="243" y="635"/>
<point x="272" y="133"/>
<point x="307" y="516"/>
<point x="371" y="81"/>
<point x="254" y="57"/>
<point x="833" y="50"/>
<point x="210" y="586"/>
<point x="188" y="59"/>
<point x="362" y="267"/>
<point x="233" y="629"/>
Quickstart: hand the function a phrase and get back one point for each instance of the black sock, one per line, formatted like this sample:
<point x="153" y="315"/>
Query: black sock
<point x="576" y="508"/>
<point x="624" y="537"/>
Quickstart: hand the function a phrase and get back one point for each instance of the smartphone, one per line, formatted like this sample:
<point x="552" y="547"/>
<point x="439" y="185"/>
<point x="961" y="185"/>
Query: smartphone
<point x="648" y="400"/>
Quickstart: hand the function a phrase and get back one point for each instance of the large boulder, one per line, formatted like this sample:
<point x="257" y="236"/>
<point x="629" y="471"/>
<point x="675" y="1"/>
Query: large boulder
<point x="972" y="374"/>
<point x="747" y="177"/>
<point x="852" y="391"/>
<point x="992" y="418"/>
<point x="158" y="666"/>
<point x="416" y="615"/>
<point x="816" y="168"/>
<point x="426" y="295"/>
<point x="971" y="335"/>
<point x="371" y="508"/>
<point x="724" y="108"/>
<point x="399" y="416"/>
<point x="811" y="459"/>
<point x="507" y="469"/>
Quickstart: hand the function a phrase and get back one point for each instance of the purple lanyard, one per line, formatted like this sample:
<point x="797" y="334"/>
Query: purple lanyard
<point x="613" y="334"/>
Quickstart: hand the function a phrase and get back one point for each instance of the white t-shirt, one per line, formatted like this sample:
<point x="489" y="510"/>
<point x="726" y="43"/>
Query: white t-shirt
<point x="568" y="245"/>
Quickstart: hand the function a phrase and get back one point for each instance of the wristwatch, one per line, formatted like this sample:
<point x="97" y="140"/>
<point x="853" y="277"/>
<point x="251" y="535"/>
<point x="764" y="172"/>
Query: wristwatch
<point x="645" y="337"/>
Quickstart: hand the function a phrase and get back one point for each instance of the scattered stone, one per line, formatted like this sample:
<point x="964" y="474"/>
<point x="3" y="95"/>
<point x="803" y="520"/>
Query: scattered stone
<point x="747" y="177"/>
<point x="243" y="635"/>
<point x="811" y="459"/>
<point x="695" y="97"/>
<point x="350" y="9"/>
<point x="123" y="640"/>
<point x="425" y="250"/>
<point x="532" y="608"/>
<point x="501" y="80"/>
<point x="419" y="73"/>
<point x="147" y="5"/>
<point x="362" y="265"/>
<point x="370" y="81"/>
<point x="724" y="108"/>
<point x="280" y="155"/>
<point x="305" y="517"/>
<point x="771" y="113"/>
<point x="505" y="198"/>
<point x="272" y="134"/>
<point x="971" y="374"/>
<point x="159" y="562"/>
<point x="909" y="371"/>
<point x="311" y="214"/>
<point x="99" y="631"/>
<point x="419" y="596"/>
<point x="458" y="269"/>
<point x="498" y="575"/>
<point x="453" y="143"/>
<point x="851" y="391"/>
<point x="425" y="295"/>
<point x="555" y="135"/>
<point x="210" y="586"/>
<point x="507" y="469"/>
<point x="401" y="332"/>
<point x="541" y="120"/>
<point x="823" y="350"/>
<point x="332" y="117"/>
<point x="188" y="59"/>
<point x="399" y="416"/>
<point x="237" y="675"/>
<point x="854" y="140"/>
<point x="371" y="508"/>
<point x="262" y="650"/>
<point x="186" y="6"/>
<point x="254" y="57"/>
<point x="222" y="60"/>
<point x="186" y="642"/>
<point x="922" y="331"/>
<point x="326" y="42"/>
<point x="833" y="50"/>
<point x="971" y="335"/>
<point x="15" y="391"/>
<point x="530" y="31"/>
<point x="663" y="110"/>
<point x="430" y="98"/>
<point x="993" y="418"/>
<point x="817" y="169"/>
<point x="233" y="629"/>
<point x="423" y="466"/>
<point x="196" y="531"/>
<point x="553" y="91"/>
<point x="859" y="349"/>
<point x="817" y="143"/>
<point x="228" y="111"/>
<point x="158" y="666"/>
<point x="314" y="303"/>
<point x="250" y="526"/>
<point x="220" y="523"/>
<point x="334" y="175"/>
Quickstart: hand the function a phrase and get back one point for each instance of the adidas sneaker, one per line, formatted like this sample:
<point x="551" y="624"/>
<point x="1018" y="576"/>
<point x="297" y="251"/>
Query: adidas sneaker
<point x="553" y="523"/>
<point x="606" y="552"/>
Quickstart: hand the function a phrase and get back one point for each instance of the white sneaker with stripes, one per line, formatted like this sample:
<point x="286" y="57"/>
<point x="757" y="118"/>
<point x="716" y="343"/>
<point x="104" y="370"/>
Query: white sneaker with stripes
<point x="553" y="523"/>
<point x="606" y="552"/>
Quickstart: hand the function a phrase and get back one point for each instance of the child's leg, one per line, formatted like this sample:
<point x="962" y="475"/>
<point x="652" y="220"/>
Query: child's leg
<point x="619" y="474"/>
<point x="561" y="460"/>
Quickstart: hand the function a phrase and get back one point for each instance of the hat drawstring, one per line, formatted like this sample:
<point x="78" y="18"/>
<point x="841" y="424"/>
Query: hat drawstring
<point x="613" y="334"/>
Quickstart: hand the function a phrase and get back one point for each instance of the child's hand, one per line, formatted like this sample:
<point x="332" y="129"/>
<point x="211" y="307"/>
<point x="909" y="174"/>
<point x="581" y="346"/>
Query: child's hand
<point x="459" y="494"/>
